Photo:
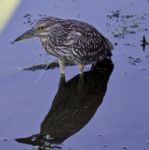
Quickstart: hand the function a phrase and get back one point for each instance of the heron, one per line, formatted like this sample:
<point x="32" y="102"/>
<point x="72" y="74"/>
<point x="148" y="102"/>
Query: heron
<point x="71" y="41"/>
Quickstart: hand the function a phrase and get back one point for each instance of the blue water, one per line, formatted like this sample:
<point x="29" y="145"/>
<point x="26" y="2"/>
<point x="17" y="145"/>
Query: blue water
<point x="122" y="119"/>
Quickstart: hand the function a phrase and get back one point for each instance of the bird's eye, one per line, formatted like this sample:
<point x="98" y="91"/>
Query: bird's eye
<point x="41" y="28"/>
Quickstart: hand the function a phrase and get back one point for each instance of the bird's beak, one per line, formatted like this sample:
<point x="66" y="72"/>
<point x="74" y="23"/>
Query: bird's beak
<point x="26" y="35"/>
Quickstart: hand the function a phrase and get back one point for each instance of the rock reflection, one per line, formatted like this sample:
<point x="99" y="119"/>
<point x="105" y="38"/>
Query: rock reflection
<point x="74" y="105"/>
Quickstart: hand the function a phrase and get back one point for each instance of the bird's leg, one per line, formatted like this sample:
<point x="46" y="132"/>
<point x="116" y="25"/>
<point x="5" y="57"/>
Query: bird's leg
<point x="62" y="67"/>
<point x="81" y="68"/>
<point x="62" y="82"/>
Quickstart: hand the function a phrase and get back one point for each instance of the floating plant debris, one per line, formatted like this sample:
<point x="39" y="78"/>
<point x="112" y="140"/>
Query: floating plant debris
<point x="27" y="16"/>
<point x="133" y="60"/>
<point x="125" y="24"/>
<point x="30" y="20"/>
<point x="144" y="43"/>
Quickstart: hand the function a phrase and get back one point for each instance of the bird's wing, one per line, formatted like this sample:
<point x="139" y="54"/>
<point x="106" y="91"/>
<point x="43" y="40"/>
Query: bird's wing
<point x="90" y="46"/>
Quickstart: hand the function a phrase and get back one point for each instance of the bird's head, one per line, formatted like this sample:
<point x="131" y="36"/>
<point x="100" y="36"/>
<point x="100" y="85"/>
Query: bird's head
<point x="41" y="28"/>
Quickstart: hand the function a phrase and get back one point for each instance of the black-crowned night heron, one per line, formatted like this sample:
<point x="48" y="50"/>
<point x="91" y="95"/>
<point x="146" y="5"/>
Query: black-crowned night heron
<point x="71" y="41"/>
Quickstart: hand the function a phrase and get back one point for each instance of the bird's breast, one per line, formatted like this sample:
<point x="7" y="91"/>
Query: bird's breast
<point x="63" y="52"/>
<point x="47" y="45"/>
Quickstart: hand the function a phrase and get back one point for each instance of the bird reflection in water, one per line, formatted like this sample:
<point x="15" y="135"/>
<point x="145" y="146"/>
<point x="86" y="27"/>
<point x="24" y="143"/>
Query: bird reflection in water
<point x="73" y="107"/>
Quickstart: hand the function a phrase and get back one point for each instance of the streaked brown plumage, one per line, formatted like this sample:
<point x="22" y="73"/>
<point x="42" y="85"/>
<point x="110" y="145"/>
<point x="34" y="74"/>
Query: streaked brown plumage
<point x="71" y="41"/>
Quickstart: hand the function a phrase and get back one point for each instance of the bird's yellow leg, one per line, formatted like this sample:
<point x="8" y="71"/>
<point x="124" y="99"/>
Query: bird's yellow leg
<point x="62" y="81"/>
<point x="62" y="67"/>
<point x="81" y="68"/>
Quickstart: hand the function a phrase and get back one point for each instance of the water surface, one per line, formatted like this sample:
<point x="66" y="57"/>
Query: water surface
<point x="110" y="111"/>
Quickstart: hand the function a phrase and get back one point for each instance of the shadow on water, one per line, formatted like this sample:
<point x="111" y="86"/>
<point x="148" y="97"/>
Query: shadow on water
<point x="73" y="106"/>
